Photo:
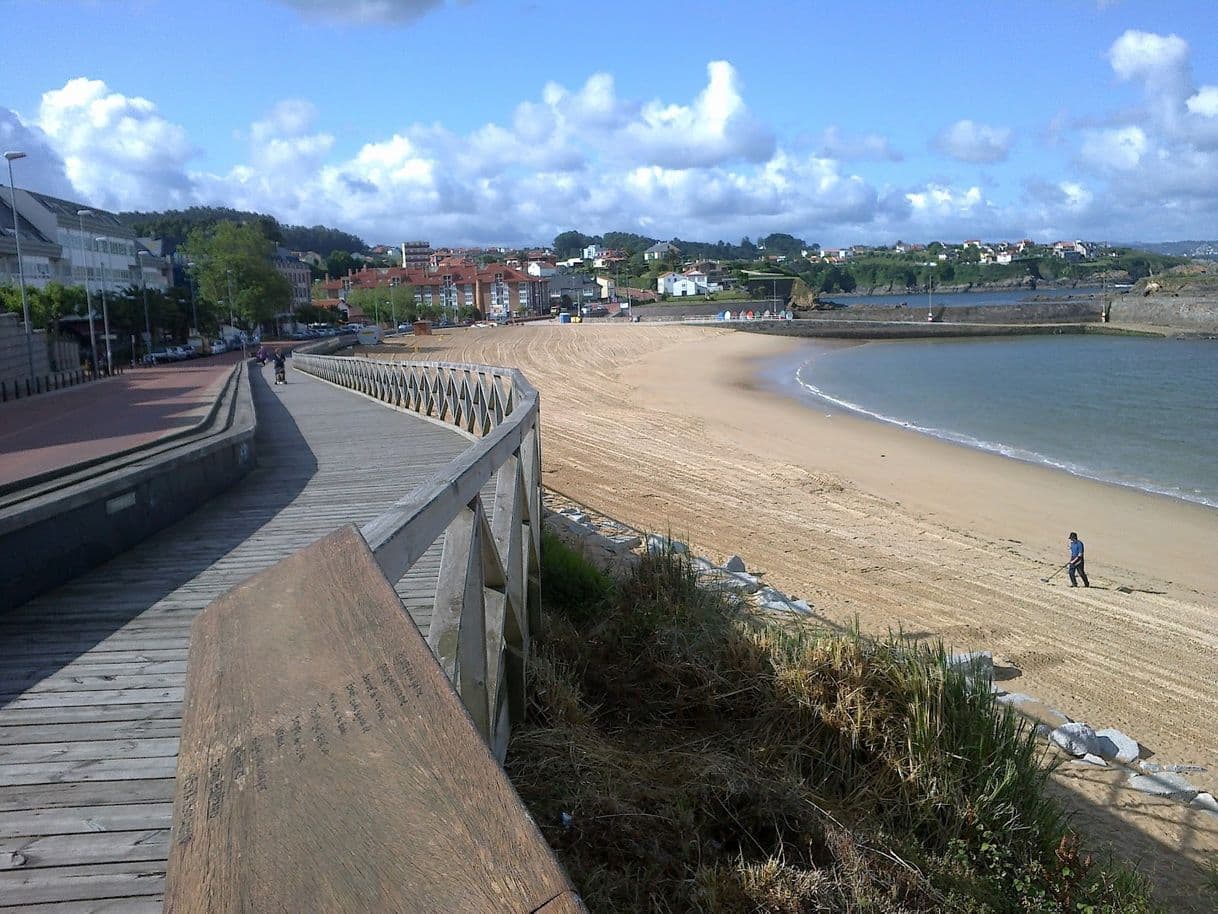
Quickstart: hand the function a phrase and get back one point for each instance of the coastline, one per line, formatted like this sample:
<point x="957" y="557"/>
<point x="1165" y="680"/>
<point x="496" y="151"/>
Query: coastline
<point x="669" y="429"/>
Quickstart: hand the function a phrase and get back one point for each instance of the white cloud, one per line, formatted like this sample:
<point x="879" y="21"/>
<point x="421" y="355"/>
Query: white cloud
<point x="969" y="141"/>
<point x="1147" y="56"/>
<point x="1116" y="149"/>
<point x="716" y="128"/>
<point x="868" y="146"/>
<point x="117" y="149"/>
<point x="1205" y="102"/>
<point x="366" y="11"/>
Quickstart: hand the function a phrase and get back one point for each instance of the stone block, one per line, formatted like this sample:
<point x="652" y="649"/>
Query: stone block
<point x="1076" y="738"/>
<point x="1115" y="746"/>
<point x="735" y="563"/>
<point x="1164" y="784"/>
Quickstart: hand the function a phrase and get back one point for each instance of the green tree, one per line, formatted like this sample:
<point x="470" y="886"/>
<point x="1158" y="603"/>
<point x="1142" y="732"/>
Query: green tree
<point x="231" y="263"/>
<point x="339" y="263"/>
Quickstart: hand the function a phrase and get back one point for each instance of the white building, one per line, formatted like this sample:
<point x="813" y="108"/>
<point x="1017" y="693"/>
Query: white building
<point x="74" y="244"/>
<point x="676" y="285"/>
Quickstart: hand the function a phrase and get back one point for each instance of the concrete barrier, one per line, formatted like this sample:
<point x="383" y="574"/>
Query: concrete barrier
<point x="63" y="531"/>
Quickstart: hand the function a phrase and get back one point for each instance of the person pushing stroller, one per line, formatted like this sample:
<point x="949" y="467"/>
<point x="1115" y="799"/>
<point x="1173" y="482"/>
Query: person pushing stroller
<point x="279" y="357"/>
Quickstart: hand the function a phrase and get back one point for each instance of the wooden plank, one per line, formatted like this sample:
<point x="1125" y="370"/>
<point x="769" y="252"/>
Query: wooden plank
<point x="149" y="905"/>
<point x="326" y="762"/>
<point x="78" y="750"/>
<point x="39" y="734"/>
<point x="28" y="853"/>
<point x="84" y="793"/>
<point x="89" y="713"/>
<point x="66" y="820"/>
<point x="88" y="770"/>
<point x="142" y="882"/>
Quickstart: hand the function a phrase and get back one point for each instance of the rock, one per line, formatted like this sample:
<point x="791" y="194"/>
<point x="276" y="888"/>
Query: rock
<point x="628" y="542"/>
<point x="578" y="516"/>
<point x="1155" y="768"/>
<point x="735" y="563"/>
<point x="976" y="665"/>
<point x="1205" y="801"/>
<point x="660" y="544"/>
<point x="1078" y="739"/>
<point x="1164" y="784"/>
<point x="1117" y="747"/>
<point x="1089" y="759"/>
<point x="776" y="601"/>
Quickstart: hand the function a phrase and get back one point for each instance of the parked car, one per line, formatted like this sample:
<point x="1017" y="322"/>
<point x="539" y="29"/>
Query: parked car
<point x="405" y="327"/>
<point x="218" y="347"/>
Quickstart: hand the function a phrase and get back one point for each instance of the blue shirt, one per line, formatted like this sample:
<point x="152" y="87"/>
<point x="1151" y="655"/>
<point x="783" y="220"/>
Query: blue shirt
<point x="1076" y="549"/>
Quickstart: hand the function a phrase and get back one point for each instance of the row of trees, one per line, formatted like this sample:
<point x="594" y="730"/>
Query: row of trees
<point x="170" y="314"/>
<point x="176" y="225"/>
<point x="399" y="303"/>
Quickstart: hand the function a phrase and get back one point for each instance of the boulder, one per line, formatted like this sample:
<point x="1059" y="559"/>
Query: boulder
<point x="976" y="665"/>
<point x="1089" y="759"/>
<point x="1077" y="738"/>
<point x="1115" y="746"/>
<point x="735" y="563"/>
<point x="660" y="544"/>
<point x="1164" y="784"/>
<point x="1205" y="801"/>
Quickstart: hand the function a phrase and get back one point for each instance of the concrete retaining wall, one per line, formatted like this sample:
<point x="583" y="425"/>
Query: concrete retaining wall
<point x="1082" y="310"/>
<point x="896" y="330"/>
<point x="1181" y="313"/>
<point x="66" y="532"/>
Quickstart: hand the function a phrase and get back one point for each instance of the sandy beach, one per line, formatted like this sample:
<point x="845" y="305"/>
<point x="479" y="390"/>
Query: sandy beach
<point x="667" y="428"/>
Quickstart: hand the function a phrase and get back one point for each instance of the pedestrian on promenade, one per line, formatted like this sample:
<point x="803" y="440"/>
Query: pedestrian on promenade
<point x="1075" y="567"/>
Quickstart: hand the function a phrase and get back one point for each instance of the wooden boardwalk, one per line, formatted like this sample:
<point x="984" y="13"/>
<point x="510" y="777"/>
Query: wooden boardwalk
<point x="92" y="674"/>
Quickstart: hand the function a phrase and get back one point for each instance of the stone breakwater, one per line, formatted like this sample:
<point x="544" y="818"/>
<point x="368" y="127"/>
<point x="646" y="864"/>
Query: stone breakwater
<point x="615" y="547"/>
<point x="1182" y="312"/>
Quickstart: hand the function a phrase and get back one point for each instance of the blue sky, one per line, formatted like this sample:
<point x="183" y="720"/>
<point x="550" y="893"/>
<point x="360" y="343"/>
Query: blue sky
<point x="508" y="121"/>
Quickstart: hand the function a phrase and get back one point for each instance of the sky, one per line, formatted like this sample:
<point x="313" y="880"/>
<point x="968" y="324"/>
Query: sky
<point x="505" y="122"/>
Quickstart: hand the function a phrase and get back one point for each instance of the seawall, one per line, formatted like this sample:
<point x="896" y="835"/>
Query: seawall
<point x="62" y="527"/>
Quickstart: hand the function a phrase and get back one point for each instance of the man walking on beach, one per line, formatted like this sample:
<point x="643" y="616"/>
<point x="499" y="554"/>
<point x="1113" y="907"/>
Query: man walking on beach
<point x="1076" y="561"/>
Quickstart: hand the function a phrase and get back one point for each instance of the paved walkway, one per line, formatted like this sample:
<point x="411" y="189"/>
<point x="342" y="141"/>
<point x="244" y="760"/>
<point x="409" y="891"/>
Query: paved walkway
<point x="56" y="430"/>
<point x="92" y="674"/>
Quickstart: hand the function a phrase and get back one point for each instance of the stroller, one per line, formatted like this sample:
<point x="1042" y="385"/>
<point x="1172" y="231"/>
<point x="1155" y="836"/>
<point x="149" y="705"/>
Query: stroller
<point x="281" y="374"/>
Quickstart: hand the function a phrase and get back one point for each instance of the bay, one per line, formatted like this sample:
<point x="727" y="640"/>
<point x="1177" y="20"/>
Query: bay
<point x="1132" y="411"/>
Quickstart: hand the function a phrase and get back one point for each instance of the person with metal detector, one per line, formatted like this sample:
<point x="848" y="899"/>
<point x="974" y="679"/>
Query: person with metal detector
<point x="1075" y="565"/>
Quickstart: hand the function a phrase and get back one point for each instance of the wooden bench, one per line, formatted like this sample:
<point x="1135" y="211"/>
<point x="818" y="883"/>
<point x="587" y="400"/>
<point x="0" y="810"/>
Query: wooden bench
<point x="327" y="764"/>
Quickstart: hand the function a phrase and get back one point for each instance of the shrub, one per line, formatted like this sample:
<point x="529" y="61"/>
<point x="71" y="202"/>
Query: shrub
<point x="683" y="754"/>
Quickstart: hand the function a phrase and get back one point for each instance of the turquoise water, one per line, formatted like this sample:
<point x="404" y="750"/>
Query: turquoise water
<point x="1133" y="411"/>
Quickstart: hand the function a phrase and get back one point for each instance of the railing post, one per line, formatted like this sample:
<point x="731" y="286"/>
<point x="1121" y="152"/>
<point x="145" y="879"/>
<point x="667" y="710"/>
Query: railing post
<point x="457" y="634"/>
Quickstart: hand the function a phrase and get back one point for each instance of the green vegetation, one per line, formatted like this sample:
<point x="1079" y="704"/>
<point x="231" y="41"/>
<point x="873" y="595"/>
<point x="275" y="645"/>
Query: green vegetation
<point x="232" y="270"/>
<point x="681" y="755"/>
<point x="176" y="224"/>
<point x="169" y="314"/>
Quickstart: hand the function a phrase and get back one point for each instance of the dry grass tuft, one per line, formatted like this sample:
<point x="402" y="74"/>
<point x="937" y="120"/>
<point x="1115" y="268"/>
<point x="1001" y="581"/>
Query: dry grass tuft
<point x="683" y="755"/>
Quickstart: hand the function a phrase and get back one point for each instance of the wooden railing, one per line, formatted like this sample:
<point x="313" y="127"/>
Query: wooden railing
<point x="489" y="588"/>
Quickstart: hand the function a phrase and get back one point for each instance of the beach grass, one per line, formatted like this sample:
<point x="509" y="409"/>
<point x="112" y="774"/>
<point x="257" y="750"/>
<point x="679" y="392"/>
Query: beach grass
<point x="685" y="754"/>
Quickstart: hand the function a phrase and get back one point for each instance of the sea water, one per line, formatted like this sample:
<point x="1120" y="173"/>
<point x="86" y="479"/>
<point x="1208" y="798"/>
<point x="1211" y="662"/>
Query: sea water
<point x="1138" y="412"/>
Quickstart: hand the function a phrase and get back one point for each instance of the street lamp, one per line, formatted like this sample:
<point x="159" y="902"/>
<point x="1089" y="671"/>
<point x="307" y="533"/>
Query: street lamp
<point x="80" y="215"/>
<point x="25" y="305"/>
<point x="144" y="287"/>
<point x="228" y="276"/>
<point x="190" y="280"/>
<point x="105" y="315"/>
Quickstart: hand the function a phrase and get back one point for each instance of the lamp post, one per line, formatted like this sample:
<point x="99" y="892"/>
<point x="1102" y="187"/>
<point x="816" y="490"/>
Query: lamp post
<point x="105" y="315"/>
<point x="80" y="215"/>
<point x="194" y="311"/>
<point x="25" y="305"/>
<point x="144" y="287"/>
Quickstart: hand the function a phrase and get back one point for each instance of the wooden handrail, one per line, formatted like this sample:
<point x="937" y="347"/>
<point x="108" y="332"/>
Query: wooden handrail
<point x="326" y="763"/>
<point x="488" y="593"/>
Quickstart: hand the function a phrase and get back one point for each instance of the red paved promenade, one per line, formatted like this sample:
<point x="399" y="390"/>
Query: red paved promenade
<point x="59" y="429"/>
